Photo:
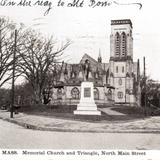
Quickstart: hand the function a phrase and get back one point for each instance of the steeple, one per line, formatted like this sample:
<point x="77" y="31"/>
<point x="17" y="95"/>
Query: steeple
<point x="99" y="57"/>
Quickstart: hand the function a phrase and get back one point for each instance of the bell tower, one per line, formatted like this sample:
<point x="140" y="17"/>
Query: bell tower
<point x="121" y="60"/>
<point x="121" y="41"/>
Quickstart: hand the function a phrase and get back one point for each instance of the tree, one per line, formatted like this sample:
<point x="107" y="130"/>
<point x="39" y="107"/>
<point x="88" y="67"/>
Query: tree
<point x="37" y="56"/>
<point x="150" y="93"/>
<point x="6" y="49"/>
<point x="23" y="94"/>
<point x="4" y="97"/>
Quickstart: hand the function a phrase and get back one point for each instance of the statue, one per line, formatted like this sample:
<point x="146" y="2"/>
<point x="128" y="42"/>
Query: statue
<point x="86" y="69"/>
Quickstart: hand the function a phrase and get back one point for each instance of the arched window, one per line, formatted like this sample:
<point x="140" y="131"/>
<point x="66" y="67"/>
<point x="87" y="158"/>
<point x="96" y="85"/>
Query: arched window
<point x="117" y="44"/>
<point x="75" y="93"/>
<point x="59" y="93"/>
<point x="122" y="69"/>
<point x="110" y="94"/>
<point x="96" y="94"/>
<point x="116" y="69"/>
<point x="124" y="44"/>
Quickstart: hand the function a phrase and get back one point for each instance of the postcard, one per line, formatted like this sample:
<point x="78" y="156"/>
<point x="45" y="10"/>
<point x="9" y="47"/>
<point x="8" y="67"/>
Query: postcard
<point x="79" y="79"/>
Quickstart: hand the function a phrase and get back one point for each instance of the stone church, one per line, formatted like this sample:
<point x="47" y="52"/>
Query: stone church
<point x="116" y="82"/>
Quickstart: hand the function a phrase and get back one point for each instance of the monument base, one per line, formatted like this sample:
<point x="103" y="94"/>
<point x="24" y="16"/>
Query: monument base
<point x="87" y="104"/>
<point x="85" y="112"/>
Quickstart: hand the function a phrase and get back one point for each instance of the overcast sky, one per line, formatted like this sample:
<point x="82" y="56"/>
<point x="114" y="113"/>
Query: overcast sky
<point x="89" y="28"/>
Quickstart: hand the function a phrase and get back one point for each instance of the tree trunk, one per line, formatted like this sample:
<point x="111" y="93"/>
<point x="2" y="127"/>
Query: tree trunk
<point x="38" y="96"/>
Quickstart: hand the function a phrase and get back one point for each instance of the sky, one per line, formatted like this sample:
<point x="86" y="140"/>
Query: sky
<point x="89" y="28"/>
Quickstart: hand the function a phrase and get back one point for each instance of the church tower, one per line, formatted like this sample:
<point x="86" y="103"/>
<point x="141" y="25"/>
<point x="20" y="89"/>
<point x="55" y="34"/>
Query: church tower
<point x="121" y="66"/>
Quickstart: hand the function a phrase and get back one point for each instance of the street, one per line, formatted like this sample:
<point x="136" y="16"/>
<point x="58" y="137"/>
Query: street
<point x="14" y="136"/>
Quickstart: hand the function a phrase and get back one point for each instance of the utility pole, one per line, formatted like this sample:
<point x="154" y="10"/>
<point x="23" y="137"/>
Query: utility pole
<point x="13" y="75"/>
<point x="145" y="95"/>
<point x="0" y="45"/>
<point x="138" y="80"/>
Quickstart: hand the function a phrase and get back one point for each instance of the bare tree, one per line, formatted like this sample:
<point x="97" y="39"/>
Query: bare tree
<point x="6" y="49"/>
<point x="37" y="56"/>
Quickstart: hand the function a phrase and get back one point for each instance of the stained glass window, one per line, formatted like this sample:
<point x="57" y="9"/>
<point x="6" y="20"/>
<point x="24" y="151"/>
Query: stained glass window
<point x="75" y="93"/>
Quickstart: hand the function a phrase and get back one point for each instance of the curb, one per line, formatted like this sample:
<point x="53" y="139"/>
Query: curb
<point x="55" y="129"/>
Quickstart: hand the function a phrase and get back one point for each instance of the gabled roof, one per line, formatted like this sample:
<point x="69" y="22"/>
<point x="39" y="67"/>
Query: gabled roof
<point x="86" y="56"/>
<point x="95" y="64"/>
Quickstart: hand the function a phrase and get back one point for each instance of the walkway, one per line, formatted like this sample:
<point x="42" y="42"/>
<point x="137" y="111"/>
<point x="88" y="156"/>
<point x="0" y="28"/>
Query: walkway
<point x="111" y="112"/>
<point x="148" y="125"/>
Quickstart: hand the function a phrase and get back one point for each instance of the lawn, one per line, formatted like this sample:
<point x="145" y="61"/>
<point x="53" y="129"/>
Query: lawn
<point x="66" y="112"/>
<point x="133" y="111"/>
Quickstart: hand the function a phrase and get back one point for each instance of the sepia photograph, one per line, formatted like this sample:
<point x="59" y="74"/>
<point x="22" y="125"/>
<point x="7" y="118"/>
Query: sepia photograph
<point x="79" y="75"/>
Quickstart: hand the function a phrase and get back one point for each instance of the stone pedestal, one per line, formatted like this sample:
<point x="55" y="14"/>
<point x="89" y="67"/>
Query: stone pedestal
<point x="87" y="104"/>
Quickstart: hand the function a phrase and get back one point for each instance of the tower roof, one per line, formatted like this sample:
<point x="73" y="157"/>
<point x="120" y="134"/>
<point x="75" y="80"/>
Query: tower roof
<point x="121" y="21"/>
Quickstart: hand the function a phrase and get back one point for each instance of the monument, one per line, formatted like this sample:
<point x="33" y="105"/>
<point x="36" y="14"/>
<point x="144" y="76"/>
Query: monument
<point x="87" y="104"/>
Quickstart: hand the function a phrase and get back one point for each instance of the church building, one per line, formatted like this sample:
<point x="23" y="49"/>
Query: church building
<point x="116" y="82"/>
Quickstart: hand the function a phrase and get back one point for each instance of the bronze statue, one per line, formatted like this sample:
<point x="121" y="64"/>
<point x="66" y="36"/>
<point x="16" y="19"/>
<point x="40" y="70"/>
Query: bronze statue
<point x="86" y="69"/>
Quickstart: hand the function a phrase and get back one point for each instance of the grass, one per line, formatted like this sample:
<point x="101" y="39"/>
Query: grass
<point x="66" y="112"/>
<point x="133" y="111"/>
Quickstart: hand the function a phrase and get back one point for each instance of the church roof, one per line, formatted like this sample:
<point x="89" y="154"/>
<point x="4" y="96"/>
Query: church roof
<point x="94" y="63"/>
<point x="71" y="73"/>
<point x="86" y="56"/>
